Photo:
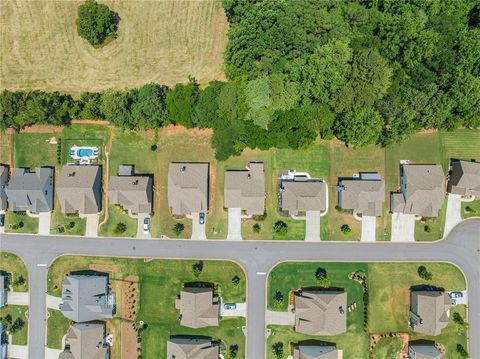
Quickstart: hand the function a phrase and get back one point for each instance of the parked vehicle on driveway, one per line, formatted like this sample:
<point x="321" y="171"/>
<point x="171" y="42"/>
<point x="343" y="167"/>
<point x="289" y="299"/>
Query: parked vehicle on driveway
<point x="201" y="218"/>
<point x="229" y="306"/>
<point x="146" y="226"/>
<point x="2" y="220"/>
<point x="456" y="295"/>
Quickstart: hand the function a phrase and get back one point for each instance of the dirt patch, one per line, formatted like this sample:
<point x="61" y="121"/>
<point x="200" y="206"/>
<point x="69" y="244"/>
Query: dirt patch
<point x="130" y="345"/>
<point x="171" y="130"/>
<point x="42" y="129"/>
<point x="375" y="338"/>
<point x="129" y="312"/>
<point x="111" y="268"/>
<point x="90" y="122"/>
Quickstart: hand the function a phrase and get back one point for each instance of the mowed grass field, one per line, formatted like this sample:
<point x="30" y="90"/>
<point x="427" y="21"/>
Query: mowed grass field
<point x="158" y="41"/>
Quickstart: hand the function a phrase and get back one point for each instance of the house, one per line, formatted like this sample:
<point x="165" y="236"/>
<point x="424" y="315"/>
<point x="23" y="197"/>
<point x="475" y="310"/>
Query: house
<point x="245" y="189"/>
<point x="133" y="193"/>
<point x="198" y="307"/>
<point x="3" y="290"/>
<point x="85" y="341"/>
<point x="424" y="351"/>
<point x="188" y="188"/>
<point x="465" y="178"/>
<point x="302" y="351"/>
<point x="364" y="195"/>
<point x="429" y="311"/>
<point x="300" y="193"/>
<point x="3" y="184"/>
<point x="320" y="312"/>
<point x="3" y="341"/>
<point x="182" y="347"/>
<point x="86" y="298"/>
<point x="31" y="191"/>
<point x="422" y="190"/>
<point x="79" y="189"/>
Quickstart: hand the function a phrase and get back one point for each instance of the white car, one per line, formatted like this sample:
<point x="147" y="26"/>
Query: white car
<point x="146" y="226"/>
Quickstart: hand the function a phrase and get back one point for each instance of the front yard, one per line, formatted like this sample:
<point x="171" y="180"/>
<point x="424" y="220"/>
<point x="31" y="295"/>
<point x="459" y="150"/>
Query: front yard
<point x="57" y="327"/>
<point x="119" y="223"/>
<point x="17" y="322"/>
<point x="14" y="267"/>
<point x="19" y="222"/>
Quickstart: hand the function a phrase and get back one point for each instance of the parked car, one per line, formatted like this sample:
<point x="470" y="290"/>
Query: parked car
<point x="2" y="220"/>
<point x="146" y="226"/>
<point x="456" y="295"/>
<point x="201" y="218"/>
<point x="229" y="306"/>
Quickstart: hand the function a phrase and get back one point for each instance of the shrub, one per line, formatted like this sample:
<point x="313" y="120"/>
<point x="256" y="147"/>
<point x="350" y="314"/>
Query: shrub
<point x="278" y="299"/>
<point x="236" y="280"/>
<point x="346" y="229"/>
<point x="260" y="217"/>
<point x="322" y="278"/>
<point x="71" y="225"/>
<point x="96" y="22"/>
<point x="462" y="351"/>
<point x="280" y="227"/>
<point x="457" y="318"/>
<point x="233" y="351"/>
<point x="277" y="349"/>
<point x="121" y="227"/>
<point x="427" y="228"/>
<point x="256" y="227"/>
<point x="197" y="268"/>
<point x="153" y="148"/>
<point x="424" y="273"/>
<point x="178" y="228"/>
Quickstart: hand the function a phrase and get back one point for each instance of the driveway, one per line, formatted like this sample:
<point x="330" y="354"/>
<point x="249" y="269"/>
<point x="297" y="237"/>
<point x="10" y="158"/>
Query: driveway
<point x="464" y="299"/>
<point x="234" y="224"/>
<point x="44" y="219"/>
<point x="239" y="311"/>
<point x="17" y="351"/>
<point x="369" y="225"/>
<point x="312" y="226"/>
<point x="198" y="230"/>
<point x="18" y="298"/>
<point x="279" y="318"/>
<point x="454" y="212"/>
<point x="53" y="302"/>
<point x="92" y="225"/>
<point x="52" y="353"/>
<point x="403" y="227"/>
<point x="140" y="218"/>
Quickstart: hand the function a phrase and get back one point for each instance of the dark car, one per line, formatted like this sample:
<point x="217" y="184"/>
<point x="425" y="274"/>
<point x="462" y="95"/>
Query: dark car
<point x="2" y="220"/>
<point x="201" y="218"/>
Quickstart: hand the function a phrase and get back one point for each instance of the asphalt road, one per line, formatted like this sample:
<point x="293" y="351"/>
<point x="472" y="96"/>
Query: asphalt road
<point x="462" y="247"/>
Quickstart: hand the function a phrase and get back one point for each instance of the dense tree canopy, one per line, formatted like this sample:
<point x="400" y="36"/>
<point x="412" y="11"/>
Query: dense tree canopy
<point x="96" y="22"/>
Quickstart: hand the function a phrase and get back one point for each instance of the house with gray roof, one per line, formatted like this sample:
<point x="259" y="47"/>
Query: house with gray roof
<point x="320" y="312"/>
<point x="424" y="351"/>
<point x="186" y="347"/>
<point x="464" y="178"/>
<point x="364" y="195"/>
<point x="3" y="290"/>
<point x="198" y="307"/>
<point x="307" y="351"/>
<point x="86" y="298"/>
<point x="31" y="191"/>
<point x="79" y="189"/>
<point x="188" y="188"/>
<point x="245" y="189"/>
<point x="3" y="184"/>
<point x="422" y="190"/>
<point x="299" y="193"/>
<point x="85" y="341"/>
<point x="133" y="192"/>
<point x="3" y="341"/>
<point x="429" y="311"/>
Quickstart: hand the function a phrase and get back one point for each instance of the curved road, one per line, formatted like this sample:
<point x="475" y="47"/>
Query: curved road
<point x="462" y="247"/>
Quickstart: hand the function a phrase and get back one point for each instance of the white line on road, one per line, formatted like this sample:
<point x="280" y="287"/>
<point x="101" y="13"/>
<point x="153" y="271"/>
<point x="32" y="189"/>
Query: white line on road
<point x="41" y="265"/>
<point x="261" y="273"/>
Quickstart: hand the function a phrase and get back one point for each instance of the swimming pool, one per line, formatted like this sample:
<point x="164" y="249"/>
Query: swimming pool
<point x="83" y="153"/>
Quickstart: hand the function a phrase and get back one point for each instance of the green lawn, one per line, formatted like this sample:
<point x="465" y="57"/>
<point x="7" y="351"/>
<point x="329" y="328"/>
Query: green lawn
<point x="5" y="147"/>
<point x="17" y="312"/>
<point x="116" y="215"/>
<point x="57" y="327"/>
<point x="388" y="348"/>
<point x="25" y="223"/>
<point x="436" y="226"/>
<point x="60" y="220"/>
<point x="461" y="144"/>
<point x="16" y="271"/>
<point x="474" y="209"/>
<point x="33" y="150"/>
<point x="84" y="135"/>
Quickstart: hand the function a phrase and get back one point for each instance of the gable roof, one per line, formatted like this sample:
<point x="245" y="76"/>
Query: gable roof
<point x="245" y="189"/>
<point x="188" y="187"/>
<point x="321" y="312"/>
<point x="429" y="311"/>
<point x="423" y="188"/>
<point x="86" y="298"/>
<point x="79" y="189"/>
<point x="3" y="290"/>
<point x="3" y="184"/>
<point x="301" y="196"/>
<point x="465" y="178"/>
<point x="198" y="307"/>
<point x="133" y="193"/>
<point x="191" y="348"/>
<point x="31" y="191"/>
<point x="425" y="351"/>
<point x="315" y="352"/>
<point x="85" y="340"/>
<point x="364" y="195"/>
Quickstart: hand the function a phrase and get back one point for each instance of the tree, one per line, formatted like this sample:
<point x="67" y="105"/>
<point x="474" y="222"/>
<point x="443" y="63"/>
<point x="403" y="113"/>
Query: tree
<point x="322" y="278"/>
<point x="258" y="100"/>
<point x="96" y="22"/>
<point x="90" y="103"/>
<point x="178" y="228"/>
<point x="181" y="101"/>
<point x="233" y="351"/>
<point x="457" y="318"/>
<point x="206" y="108"/>
<point x="236" y="280"/>
<point x="197" y="268"/>
<point x="424" y="273"/>
<point x="345" y="228"/>
<point x="277" y="349"/>
<point x="360" y="128"/>
<point x="120" y="228"/>
<point x="280" y="228"/>
<point x="256" y="227"/>
<point x="148" y="106"/>
<point x="461" y="350"/>
<point x="115" y="105"/>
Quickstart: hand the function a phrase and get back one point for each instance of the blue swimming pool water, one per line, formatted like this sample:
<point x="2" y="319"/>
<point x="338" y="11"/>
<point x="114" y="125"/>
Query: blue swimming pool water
<point x="84" y="152"/>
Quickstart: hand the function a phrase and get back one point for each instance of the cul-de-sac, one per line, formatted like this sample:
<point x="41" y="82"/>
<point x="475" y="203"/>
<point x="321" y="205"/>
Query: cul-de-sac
<point x="240" y="179"/>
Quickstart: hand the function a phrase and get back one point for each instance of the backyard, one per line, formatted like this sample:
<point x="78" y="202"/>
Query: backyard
<point x="14" y="267"/>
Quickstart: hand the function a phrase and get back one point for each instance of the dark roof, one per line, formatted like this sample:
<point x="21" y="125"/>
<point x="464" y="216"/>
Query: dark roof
<point x="465" y="178"/>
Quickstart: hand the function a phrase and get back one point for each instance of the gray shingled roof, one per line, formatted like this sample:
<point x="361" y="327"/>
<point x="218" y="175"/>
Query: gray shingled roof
<point x="245" y="189"/>
<point x="86" y="298"/>
<point x="31" y="191"/>
<point x="85" y="341"/>
<point x="425" y="351"/>
<point x="3" y="290"/>
<point x="79" y="189"/>
<point x="429" y="311"/>
<point x="301" y="196"/>
<point x="198" y="307"/>
<point x="423" y="190"/>
<point x="364" y="196"/>
<point x="315" y="352"/>
<point x="191" y="348"/>
<point x="3" y="184"/>
<point x="321" y="312"/>
<point x="133" y="193"/>
<point x="465" y="178"/>
<point x="188" y="187"/>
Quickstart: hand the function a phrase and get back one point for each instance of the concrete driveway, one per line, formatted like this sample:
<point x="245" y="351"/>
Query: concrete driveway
<point x="44" y="219"/>
<point x="17" y="351"/>
<point x="53" y="302"/>
<point x="454" y="212"/>
<point x="140" y="218"/>
<point x="234" y="224"/>
<point x="279" y="318"/>
<point x="92" y="225"/>
<point x="403" y="227"/>
<point x="369" y="225"/>
<point x="198" y="230"/>
<point x="239" y="311"/>
<point x="52" y="353"/>
<point x="312" y="226"/>
<point x="18" y="298"/>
